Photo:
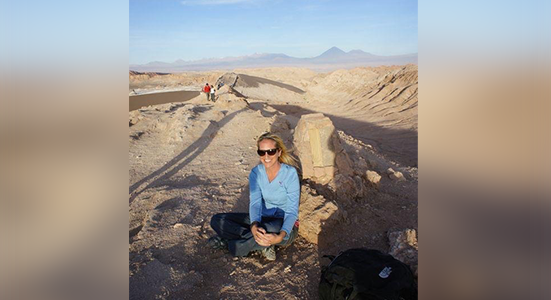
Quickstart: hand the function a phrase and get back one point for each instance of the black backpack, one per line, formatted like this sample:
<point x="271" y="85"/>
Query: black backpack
<point x="361" y="274"/>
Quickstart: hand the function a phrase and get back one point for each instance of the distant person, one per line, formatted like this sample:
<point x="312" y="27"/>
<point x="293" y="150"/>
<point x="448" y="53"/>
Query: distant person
<point x="211" y="93"/>
<point x="206" y="90"/>
<point x="273" y="207"/>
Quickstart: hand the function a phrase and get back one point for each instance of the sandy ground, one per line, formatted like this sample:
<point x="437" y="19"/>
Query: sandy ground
<point x="190" y="160"/>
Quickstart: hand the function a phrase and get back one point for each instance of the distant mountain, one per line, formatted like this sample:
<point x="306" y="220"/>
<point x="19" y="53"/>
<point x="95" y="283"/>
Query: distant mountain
<point x="333" y="52"/>
<point x="333" y="58"/>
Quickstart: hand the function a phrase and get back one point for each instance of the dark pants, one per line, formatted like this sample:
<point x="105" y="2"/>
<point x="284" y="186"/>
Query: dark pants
<point x="235" y="228"/>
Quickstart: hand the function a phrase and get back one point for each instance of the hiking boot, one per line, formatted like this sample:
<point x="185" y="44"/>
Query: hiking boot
<point x="269" y="253"/>
<point x="217" y="243"/>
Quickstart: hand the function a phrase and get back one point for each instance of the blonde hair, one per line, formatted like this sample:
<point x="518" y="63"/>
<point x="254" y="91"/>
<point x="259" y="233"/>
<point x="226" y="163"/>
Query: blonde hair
<point x="285" y="157"/>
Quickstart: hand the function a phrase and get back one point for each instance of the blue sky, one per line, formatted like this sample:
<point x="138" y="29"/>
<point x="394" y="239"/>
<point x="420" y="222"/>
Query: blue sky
<point x="168" y="30"/>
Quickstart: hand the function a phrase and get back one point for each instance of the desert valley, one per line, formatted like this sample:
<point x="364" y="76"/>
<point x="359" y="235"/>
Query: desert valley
<point x="190" y="158"/>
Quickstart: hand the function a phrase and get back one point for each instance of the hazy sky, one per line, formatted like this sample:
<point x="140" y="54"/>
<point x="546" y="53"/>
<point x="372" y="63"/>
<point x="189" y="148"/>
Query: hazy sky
<point x="167" y="30"/>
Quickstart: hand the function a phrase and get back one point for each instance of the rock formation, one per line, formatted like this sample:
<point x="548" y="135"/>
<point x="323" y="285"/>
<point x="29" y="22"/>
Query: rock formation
<point x="346" y="188"/>
<point x="319" y="149"/>
<point x="373" y="177"/>
<point x="226" y="80"/>
<point x="314" y="212"/>
<point x="230" y="101"/>
<point x="395" y="175"/>
<point x="403" y="246"/>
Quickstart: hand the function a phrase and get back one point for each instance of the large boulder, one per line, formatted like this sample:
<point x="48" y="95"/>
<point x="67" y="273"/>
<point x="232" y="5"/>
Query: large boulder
<point x="373" y="178"/>
<point x="226" y="80"/>
<point x="319" y="149"/>
<point x="347" y="188"/>
<point x="314" y="212"/>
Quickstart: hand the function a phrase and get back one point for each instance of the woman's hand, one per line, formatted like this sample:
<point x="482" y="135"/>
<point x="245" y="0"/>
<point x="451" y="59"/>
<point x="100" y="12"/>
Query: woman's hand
<point x="259" y="235"/>
<point x="274" y="238"/>
<point x="266" y="239"/>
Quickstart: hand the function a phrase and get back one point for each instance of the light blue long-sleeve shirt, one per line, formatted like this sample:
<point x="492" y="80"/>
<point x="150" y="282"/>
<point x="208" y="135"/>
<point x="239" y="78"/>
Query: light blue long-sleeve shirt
<point x="279" y="198"/>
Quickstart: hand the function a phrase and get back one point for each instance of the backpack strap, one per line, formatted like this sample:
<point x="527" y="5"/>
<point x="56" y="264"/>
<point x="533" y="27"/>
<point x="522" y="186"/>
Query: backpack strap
<point x="331" y="257"/>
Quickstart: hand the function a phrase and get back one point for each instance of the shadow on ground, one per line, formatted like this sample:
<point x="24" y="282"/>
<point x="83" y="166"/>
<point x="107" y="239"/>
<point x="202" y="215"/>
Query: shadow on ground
<point x="182" y="159"/>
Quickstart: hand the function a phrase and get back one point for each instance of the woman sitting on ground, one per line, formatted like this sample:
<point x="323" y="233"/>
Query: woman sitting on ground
<point x="273" y="208"/>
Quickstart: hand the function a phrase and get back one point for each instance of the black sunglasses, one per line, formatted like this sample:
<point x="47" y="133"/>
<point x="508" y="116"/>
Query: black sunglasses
<point x="271" y="152"/>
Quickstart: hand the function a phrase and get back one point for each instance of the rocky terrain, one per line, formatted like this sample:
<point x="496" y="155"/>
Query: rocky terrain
<point x="191" y="159"/>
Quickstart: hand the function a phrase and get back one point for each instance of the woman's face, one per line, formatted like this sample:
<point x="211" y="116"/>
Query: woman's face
<point x="267" y="160"/>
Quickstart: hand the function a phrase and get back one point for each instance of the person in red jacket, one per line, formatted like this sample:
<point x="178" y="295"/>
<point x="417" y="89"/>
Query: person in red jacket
<point x="206" y="90"/>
